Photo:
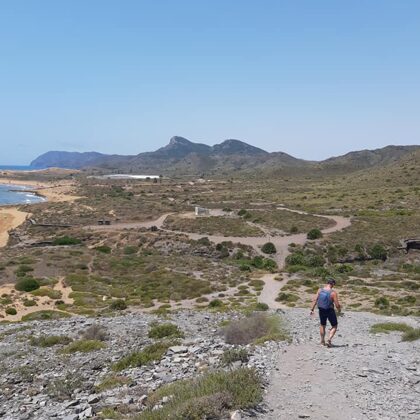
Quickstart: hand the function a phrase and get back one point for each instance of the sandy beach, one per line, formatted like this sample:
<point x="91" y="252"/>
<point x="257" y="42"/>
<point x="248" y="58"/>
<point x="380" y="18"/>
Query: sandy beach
<point x="11" y="217"/>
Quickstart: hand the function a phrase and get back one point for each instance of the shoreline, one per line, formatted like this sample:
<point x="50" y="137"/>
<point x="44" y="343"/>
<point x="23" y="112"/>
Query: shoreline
<point x="10" y="215"/>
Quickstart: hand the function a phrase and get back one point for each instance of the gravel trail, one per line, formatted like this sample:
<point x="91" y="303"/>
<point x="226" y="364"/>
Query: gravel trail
<point x="364" y="376"/>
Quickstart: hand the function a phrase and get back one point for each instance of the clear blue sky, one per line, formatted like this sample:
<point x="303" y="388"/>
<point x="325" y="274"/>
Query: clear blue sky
<point x="311" y="78"/>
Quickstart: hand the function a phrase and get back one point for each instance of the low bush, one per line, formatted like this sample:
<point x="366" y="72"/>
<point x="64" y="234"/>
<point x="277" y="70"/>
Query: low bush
<point x="83" y="346"/>
<point x="261" y="307"/>
<point x="96" y="332"/>
<point x="27" y="284"/>
<point x="287" y="297"/>
<point x="378" y="252"/>
<point x="409" y="333"/>
<point x="63" y="388"/>
<point x="112" y="381"/>
<point x="66" y="240"/>
<point x="209" y="396"/>
<point x="215" y="303"/>
<point x="104" y="249"/>
<point x="118" y="305"/>
<point x="166" y="330"/>
<point x="45" y="315"/>
<point x="314" y="234"/>
<point x="257" y="327"/>
<point x="269" y="248"/>
<point x="382" y="302"/>
<point x="140" y="358"/>
<point x="230" y="356"/>
<point x="11" y="311"/>
<point x="29" y="302"/>
<point x="49" y="341"/>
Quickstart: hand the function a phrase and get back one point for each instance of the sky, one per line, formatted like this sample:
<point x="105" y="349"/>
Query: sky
<point x="314" y="79"/>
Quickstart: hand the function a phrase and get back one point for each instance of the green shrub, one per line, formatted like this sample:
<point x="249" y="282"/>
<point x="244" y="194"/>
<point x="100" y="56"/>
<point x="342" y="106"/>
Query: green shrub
<point x="140" y="358"/>
<point x="118" y="305"/>
<point x="45" y="315"/>
<point x="29" y="302"/>
<point x="411" y="335"/>
<point x="314" y="234"/>
<point x="11" y="311"/>
<point x="286" y="297"/>
<point x="382" y="302"/>
<point x="66" y="240"/>
<point x="207" y="397"/>
<point x="257" y="327"/>
<point x="261" y="307"/>
<point x="49" y="341"/>
<point x="270" y="265"/>
<point x="22" y="270"/>
<point x="27" y="284"/>
<point x="95" y="332"/>
<point x="378" y="252"/>
<point x="104" y="249"/>
<point x="294" y="229"/>
<point x="242" y="212"/>
<point x="269" y="248"/>
<point x="83" y="346"/>
<point x="112" y="381"/>
<point x="230" y="356"/>
<point x="215" y="303"/>
<point x="165" y="330"/>
<point x="130" y="250"/>
<point x="297" y="258"/>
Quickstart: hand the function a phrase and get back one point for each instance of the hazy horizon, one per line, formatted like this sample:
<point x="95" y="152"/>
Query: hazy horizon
<point x="311" y="79"/>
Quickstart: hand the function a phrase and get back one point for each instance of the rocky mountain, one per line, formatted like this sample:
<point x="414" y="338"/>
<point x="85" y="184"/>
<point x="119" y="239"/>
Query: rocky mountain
<point x="184" y="157"/>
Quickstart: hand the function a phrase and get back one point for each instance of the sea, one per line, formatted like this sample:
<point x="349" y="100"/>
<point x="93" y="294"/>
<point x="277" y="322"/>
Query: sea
<point x="17" y="194"/>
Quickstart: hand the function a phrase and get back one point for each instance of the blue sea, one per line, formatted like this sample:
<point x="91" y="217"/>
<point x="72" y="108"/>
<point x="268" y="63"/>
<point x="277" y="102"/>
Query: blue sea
<point x="15" y="168"/>
<point x="17" y="194"/>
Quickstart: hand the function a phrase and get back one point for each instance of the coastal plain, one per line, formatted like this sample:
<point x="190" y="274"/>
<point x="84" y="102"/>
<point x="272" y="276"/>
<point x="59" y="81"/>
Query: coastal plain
<point x="186" y="251"/>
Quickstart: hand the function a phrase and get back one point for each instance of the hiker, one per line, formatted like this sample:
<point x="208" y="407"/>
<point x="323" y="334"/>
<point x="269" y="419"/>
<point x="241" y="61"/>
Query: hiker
<point x="326" y="298"/>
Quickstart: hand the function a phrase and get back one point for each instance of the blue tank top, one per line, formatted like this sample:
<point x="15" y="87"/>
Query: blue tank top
<point x="325" y="301"/>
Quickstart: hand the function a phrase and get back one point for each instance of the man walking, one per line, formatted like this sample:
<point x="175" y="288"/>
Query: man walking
<point x="326" y="298"/>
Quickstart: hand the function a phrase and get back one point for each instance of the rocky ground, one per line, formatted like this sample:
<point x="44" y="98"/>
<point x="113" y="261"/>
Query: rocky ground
<point x="364" y="376"/>
<point x="41" y="383"/>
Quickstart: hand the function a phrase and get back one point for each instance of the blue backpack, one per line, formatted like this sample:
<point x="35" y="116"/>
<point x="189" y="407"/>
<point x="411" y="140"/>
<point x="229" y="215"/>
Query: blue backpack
<point x="325" y="300"/>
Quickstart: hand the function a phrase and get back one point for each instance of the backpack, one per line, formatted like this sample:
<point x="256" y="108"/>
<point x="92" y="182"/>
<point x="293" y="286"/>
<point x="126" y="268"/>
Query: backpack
<point x="325" y="300"/>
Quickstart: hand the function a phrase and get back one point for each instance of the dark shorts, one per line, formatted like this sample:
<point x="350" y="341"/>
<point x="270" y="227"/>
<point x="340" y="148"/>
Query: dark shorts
<point x="329" y="314"/>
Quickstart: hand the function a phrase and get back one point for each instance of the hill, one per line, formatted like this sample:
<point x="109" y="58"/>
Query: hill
<point x="184" y="157"/>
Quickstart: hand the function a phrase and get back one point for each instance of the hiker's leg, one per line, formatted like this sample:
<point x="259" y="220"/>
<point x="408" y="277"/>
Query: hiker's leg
<point x="332" y="317"/>
<point x="322" y="333"/>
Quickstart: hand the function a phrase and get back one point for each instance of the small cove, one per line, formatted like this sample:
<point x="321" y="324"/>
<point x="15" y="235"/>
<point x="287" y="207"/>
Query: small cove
<point x="18" y="194"/>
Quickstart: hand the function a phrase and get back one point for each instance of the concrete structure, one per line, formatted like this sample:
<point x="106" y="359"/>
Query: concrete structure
<point x="201" y="211"/>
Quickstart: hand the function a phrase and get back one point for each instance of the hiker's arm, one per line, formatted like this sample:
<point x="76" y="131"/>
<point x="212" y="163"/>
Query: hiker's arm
<point x="314" y="300"/>
<point x="336" y="302"/>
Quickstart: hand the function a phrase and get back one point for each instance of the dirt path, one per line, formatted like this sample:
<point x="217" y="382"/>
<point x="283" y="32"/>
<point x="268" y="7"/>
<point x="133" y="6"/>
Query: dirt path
<point x="10" y="218"/>
<point x="364" y="376"/>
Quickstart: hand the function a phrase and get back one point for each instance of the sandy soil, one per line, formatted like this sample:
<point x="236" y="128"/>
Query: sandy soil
<point x="10" y="218"/>
<point x="43" y="302"/>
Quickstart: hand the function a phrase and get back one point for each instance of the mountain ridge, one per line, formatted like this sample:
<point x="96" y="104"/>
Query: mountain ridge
<point x="182" y="156"/>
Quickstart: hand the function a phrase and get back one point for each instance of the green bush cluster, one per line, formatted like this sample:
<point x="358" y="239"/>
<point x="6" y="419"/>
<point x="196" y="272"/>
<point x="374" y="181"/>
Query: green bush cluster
<point x="166" y="330"/>
<point x="66" y="240"/>
<point x="11" y="311"/>
<point x="230" y="356"/>
<point x="210" y="396"/>
<point x="83" y="346"/>
<point x="49" y="340"/>
<point x="27" y="284"/>
<point x="269" y="248"/>
<point x="140" y="358"/>
<point x="314" y="234"/>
